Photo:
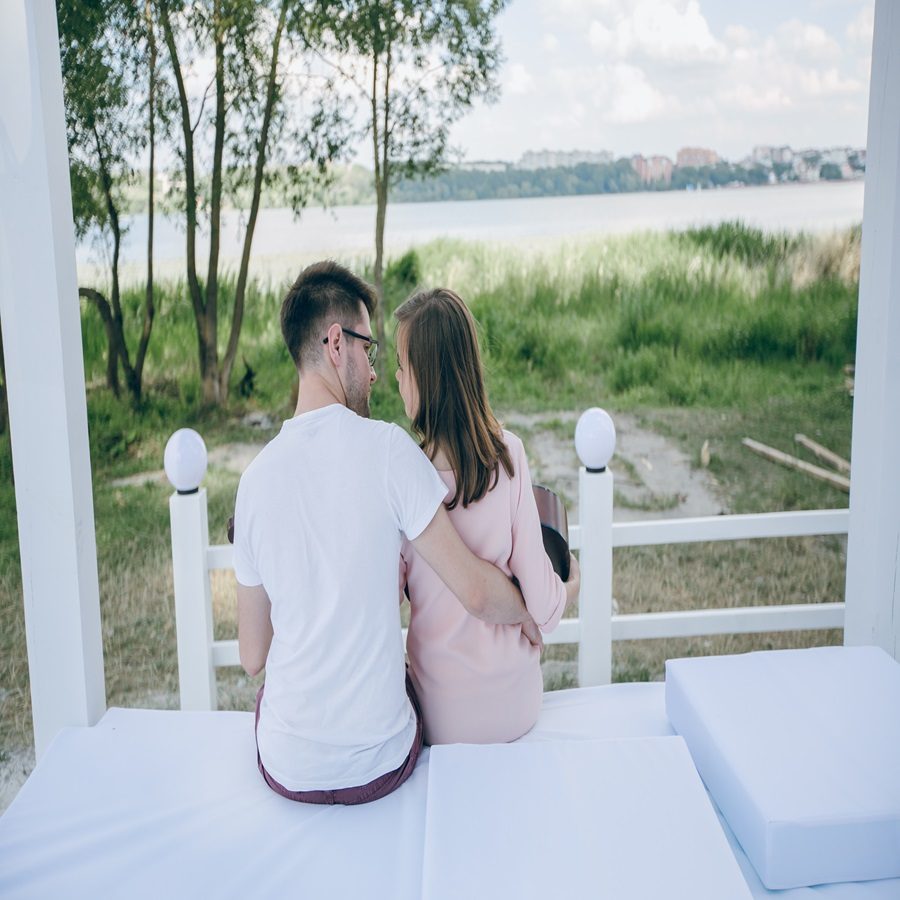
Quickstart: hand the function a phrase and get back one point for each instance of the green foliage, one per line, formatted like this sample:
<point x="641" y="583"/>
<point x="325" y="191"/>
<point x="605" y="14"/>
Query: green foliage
<point x="585" y="178"/>
<point x="401" y="277"/>
<point x="703" y="319"/>
<point x="742" y="242"/>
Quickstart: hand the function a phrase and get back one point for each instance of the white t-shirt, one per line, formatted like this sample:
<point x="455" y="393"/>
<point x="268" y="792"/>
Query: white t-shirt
<point x="319" y="520"/>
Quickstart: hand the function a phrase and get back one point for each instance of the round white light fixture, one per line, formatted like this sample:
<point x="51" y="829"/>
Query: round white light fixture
<point x="595" y="439"/>
<point x="185" y="460"/>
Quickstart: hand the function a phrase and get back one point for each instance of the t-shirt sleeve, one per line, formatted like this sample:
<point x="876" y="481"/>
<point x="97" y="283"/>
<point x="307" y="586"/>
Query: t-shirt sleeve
<point x="414" y="488"/>
<point x="245" y="570"/>
<point x="542" y="589"/>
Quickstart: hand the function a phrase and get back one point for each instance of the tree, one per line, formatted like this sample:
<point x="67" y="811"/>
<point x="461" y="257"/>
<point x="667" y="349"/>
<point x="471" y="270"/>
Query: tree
<point x="240" y="136"/>
<point x="418" y="65"/>
<point x="3" y="401"/>
<point x="103" y="46"/>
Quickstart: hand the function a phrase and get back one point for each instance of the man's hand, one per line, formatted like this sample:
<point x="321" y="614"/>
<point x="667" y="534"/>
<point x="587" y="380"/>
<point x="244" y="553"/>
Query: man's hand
<point x="573" y="585"/>
<point x="533" y="633"/>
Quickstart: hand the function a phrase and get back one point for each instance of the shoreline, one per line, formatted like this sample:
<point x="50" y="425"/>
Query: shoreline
<point x="546" y="225"/>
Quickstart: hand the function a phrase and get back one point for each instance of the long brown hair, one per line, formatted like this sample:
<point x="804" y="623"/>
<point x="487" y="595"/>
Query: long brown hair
<point x="454" y="414"/>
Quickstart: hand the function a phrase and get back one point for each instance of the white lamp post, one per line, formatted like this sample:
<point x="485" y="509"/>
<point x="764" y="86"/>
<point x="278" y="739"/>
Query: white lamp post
<point x="185" y="462"/>
<point x="595" y="443"/>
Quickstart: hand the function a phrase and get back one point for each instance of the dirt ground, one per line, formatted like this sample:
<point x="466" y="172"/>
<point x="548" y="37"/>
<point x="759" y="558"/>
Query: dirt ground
<point x="653" y="478"/>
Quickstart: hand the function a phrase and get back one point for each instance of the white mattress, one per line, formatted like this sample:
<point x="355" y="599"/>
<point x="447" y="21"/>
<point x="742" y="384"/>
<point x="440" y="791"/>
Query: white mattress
<point x="625" y="819"/>
<point x="170" y="805"/>
<point x="801" y="751"/>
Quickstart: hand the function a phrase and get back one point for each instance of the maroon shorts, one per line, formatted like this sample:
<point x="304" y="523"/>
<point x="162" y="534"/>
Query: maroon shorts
<point x="349" y="796"/>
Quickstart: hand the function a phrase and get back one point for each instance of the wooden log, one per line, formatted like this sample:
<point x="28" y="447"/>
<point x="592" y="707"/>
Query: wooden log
<point x="785" y="459"/>
<point x="826" y="455"/>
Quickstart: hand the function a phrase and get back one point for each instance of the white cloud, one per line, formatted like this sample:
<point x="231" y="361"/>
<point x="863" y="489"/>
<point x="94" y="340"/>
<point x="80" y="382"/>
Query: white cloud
<point x="811" y="42"/>
<point x="634" y="99"/>
<point x="653" y="75"/>
<point x="860" y="29"/>
<point x="739" y="36"/>
<point x="517" y="79"/>
<point x="828" y="83"/>
<point x="618" y="93"/>
<point x="666" y="31"/>
<point x="755" y="98"/>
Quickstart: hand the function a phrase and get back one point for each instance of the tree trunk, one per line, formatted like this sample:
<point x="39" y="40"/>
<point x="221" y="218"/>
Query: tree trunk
<point x="379" y="140"/>
<point x="112" y="315"/>
<point x="241" y="287"/>
<point x="190" y="189"/>
<point x="149" y="308"/>
<point x="113" y="345"/>
<point x="209" y="367"/>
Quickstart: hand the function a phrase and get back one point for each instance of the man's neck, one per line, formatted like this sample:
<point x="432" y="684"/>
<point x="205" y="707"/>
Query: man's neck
<point x="317" y="392"/>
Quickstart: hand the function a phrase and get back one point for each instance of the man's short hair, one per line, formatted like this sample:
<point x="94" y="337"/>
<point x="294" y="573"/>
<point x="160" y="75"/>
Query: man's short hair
<point x="323" y="293"/>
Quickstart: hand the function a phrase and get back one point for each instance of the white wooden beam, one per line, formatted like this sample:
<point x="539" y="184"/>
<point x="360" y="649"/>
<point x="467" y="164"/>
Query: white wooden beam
<point x="45" y="378"/>
<point x="873" y="547"/>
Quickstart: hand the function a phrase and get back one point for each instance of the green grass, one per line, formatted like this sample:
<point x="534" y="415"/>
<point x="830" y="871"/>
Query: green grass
<point x="714" y="334"/>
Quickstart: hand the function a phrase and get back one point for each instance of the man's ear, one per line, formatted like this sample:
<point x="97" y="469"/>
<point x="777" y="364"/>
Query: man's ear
<point x="335" y="340"/>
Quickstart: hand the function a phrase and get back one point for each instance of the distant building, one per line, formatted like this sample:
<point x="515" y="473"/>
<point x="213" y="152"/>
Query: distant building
<point x="484" y="165"/>
<point x="557" y="159"/>
<point x="768" y="156"/>
<point x="696" y="157"/>
<point x="653" y="168"/>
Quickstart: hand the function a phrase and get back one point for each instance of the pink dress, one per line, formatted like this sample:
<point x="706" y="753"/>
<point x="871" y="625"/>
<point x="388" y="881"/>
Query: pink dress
<point x="481" y="683"/>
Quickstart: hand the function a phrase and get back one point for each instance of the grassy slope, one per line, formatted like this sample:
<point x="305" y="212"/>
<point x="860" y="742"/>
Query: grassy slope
<point x="712" y="335"/>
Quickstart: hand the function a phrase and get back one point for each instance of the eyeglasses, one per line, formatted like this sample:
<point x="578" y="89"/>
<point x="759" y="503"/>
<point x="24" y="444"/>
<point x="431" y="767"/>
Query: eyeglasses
<point x="371" y="350"/>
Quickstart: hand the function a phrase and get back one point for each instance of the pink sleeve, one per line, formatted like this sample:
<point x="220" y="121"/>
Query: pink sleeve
<point x="542" y="589"/>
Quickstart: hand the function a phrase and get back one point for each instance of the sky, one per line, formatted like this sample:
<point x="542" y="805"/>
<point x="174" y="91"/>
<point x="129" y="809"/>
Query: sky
<point x="651" y="76"/>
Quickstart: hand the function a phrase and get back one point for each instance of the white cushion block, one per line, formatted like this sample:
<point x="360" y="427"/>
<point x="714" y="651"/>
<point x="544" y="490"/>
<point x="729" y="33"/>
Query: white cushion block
<point x="800" y="749"/>
<point x="610" y="711"/>
<point x="156" y="804"/>
<point x="623" y="819"/>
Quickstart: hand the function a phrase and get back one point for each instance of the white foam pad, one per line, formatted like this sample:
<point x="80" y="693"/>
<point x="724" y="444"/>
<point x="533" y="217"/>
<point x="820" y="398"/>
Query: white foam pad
<point x="800" y="749"/>
<point x="611" y="711"/>
<point x="156" y="804"/>
<point x="627" y="819"/>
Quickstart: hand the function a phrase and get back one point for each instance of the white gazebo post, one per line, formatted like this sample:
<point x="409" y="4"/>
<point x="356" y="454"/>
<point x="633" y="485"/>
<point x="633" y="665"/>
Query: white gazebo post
<point x="595" y="442"/>
<point x="45" y="374"/>
<point x="873" y="549"/>
<point x="185" y="462"/>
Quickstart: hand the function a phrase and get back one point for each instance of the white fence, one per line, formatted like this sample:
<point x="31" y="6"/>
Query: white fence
<point x="594" y="537"/>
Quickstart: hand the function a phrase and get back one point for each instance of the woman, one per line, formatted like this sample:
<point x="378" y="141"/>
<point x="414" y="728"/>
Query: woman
<point x="478" y="683"/>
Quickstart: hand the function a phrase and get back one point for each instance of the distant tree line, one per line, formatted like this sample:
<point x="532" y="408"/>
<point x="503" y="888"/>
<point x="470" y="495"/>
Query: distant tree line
<point x="586" y="178"/>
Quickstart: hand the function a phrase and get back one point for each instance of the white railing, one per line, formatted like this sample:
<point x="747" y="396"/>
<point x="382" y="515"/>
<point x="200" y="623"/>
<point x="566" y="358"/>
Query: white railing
<point x="596" y="627"/>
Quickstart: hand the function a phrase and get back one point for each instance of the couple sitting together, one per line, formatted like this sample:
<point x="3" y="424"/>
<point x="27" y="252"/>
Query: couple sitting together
<point x="340" y="513"/>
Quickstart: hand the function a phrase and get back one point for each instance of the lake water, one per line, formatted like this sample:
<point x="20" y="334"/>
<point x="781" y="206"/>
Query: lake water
<point x="348" y="231"/>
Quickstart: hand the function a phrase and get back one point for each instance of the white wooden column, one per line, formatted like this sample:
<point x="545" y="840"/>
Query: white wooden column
<point x="45" y="377"/>
<point x="873" y="551"/>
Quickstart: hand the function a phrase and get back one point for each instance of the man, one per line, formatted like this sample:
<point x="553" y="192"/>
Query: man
<point x="319" y="520"/>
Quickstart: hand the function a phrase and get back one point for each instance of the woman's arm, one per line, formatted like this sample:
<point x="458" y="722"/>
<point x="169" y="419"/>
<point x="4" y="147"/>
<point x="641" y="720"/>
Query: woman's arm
<point x="545" y="595"/>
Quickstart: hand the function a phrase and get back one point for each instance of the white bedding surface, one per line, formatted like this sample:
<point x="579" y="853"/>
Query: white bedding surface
<point x="625" y="819"/>
<point x="170" y="805"/>
<point x="801" y="751"/>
